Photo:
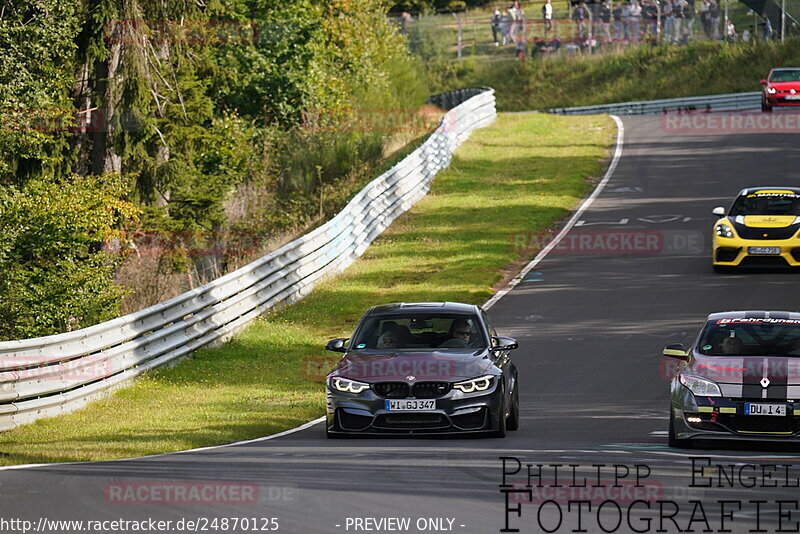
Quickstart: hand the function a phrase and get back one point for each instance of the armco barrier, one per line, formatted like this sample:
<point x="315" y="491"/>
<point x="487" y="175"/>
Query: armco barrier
<point x="727" y="102"/>
<point x="52" y="375"/>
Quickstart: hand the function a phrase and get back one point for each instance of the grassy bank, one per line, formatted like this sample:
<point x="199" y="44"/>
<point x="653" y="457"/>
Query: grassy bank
<point x="636" y="73"/>
<point x="521" y="174"/>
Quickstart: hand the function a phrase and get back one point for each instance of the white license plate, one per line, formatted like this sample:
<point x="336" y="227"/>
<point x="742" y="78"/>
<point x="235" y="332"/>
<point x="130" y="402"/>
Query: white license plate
<point x="792" y="97"/>
<point x="763" y="250"/>
<point x="410" y="405"/>
<point x="764" y="409"/>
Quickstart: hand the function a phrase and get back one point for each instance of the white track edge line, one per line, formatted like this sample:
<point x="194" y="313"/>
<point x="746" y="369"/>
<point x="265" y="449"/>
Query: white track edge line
<point x="565" y="230"/>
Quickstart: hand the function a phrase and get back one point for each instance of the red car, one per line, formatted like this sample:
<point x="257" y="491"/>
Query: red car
<point x="781" y="88"/>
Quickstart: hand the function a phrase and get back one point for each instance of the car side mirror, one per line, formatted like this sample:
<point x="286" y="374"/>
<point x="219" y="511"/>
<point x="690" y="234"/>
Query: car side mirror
<point x="337" y="345"/>
<point x="504" y="343"/>
<point x="719" y="211"/>
<point x="676" y="350"/>
<point x="763" y="82"/>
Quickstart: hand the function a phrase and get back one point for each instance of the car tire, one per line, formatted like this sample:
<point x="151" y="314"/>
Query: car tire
<point x="673" y="441"/>
<point x="719" y="268"/>
<point x="512" y="422"/>
<point x="765" y="107"/>
<point x="501" y="420"/>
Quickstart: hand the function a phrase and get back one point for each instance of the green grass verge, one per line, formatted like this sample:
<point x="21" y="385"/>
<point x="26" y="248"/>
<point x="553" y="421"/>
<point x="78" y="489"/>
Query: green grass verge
<point x="522" y="174"/>
<point x="636" y="73"/>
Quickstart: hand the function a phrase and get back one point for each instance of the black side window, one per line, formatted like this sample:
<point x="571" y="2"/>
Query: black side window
<point x="489" y="325"/>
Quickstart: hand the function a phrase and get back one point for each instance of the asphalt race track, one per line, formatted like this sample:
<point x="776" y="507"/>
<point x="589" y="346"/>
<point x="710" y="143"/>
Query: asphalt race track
<point x="591" y="321"/>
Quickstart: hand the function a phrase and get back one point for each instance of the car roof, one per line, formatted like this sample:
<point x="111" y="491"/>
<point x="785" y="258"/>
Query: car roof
<point x="754" y="314"/>
<point x="750" y="190"/>
<point x="778" y="69"/>
<point x="400" y="308"/>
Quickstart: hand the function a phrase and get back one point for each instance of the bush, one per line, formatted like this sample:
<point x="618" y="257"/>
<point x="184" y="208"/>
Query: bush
<point x="57" y="272"/>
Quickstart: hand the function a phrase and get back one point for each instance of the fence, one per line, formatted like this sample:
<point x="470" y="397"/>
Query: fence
<point x="727" y="102"/>
<point x="469" y="34"/>
<point x="48" y="376"/>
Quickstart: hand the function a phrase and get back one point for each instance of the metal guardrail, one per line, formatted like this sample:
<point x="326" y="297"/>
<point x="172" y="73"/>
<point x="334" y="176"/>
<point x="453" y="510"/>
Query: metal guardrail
<point x="452" y="99"/>
<point x="48" y="376"/>
<point x="726" y="102"/>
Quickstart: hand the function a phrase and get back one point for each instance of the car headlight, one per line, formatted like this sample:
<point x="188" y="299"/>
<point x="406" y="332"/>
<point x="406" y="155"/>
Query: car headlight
<point x="771" y="90"/>
<point x="701" y="387"/>
<point x="348" y="386"/>
<point x="476" y="384"/>
<point x="723" y="230"/>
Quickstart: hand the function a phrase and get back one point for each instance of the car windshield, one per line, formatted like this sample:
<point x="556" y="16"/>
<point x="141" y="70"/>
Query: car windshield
<point x="420" y="331"/>
<point x="780" y="76"/>
<point x="767" y="203"/>
<point x="751" y="337"/>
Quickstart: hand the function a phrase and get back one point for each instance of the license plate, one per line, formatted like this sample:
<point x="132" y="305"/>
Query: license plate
<point x="764" y="409"/>
<point x="792" y="97"/>
<point x="763" y="250"/>
<point x="410" y="405"/>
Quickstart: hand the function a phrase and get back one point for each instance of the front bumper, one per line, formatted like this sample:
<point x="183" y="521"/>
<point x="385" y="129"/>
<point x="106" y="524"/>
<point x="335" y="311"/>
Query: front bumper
<point x="733" y="252"/>
<point x="780" y="99"/>
<point x="723" y="418"/>
<point x="366" y="413"/>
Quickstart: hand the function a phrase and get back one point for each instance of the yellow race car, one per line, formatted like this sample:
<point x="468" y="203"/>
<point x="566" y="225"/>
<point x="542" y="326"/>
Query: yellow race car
<point x="762" y="229"/>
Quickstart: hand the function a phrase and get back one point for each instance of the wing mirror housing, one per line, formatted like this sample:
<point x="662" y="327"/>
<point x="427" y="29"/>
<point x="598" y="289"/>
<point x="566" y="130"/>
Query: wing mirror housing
<point x="719" y="211"/>
<point x="500" y="343"/>
<point x="763" y="82"/>
<point x="676" y="350"/>
<point x="337" y="345"/>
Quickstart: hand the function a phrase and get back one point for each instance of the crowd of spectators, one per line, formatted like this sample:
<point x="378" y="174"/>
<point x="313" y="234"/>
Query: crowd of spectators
<point x="604" y="21"/>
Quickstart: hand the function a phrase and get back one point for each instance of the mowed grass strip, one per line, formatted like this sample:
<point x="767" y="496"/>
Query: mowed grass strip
<point x="522" y="174"/>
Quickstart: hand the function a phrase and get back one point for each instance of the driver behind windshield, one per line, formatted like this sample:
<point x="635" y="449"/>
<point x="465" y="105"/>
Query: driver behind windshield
<point x="459" y="335"/>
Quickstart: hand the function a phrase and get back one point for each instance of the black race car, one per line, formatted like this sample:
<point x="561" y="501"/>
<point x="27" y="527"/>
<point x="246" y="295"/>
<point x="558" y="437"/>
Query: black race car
<point x="739" y="380"/>
<point x="430" y="367"/>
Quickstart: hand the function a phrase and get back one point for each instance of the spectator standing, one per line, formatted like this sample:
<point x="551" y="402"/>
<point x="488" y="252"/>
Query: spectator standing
<point x="730" y="32"/>
<point x="705" y="20"/>
<point x="636" y="19"/>
<point x="605" y="17"/>
<point x="594" y="15"/>
<point x="547" y="16"/>
<point x="580" y="15"/>
<point x="688" y="19"/>
<point x="677" y="17"/>
<point x="496" y="27"/>
<point x="505" y="27"/>
<point x="626" y="20"/>
<point x="667" y="20"/>
<point x="616" y="13"/>
<point x="714" y="14"/>
<point x="650" y="15"/>
<point x="516" y="17"/>
<point x="767" y="29"/>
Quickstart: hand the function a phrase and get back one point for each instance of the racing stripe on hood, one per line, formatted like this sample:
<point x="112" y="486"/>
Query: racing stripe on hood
<point x="778" y="374"/>
<point x="751" y="378"/>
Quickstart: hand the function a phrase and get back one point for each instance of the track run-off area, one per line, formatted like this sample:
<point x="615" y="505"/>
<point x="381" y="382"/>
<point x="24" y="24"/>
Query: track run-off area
<point x="630" y="274"/>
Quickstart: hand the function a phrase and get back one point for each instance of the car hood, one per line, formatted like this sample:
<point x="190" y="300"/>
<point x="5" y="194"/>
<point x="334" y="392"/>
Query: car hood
<point x="768" y="221"/>
<point x="438" y="365"/>
<point x="743" y="376"/>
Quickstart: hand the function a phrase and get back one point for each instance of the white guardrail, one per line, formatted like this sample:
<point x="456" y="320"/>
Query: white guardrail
<point x="48" y="376"/>
<point x="727" y="102"/>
